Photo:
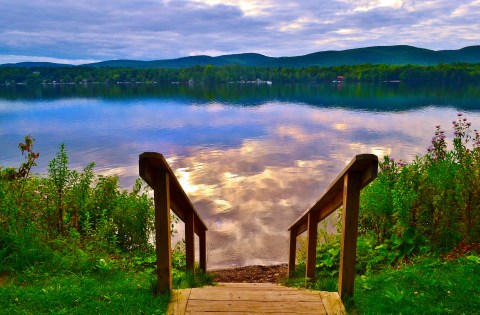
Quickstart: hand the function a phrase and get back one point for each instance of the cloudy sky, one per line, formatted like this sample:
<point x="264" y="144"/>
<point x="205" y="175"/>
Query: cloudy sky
<point x="89" y="30"/>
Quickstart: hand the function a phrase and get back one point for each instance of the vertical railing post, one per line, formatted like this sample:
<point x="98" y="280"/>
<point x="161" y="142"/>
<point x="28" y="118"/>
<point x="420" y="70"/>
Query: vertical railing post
<point x="311" y="245"/>
<point x="202" y="237"/>
<point x="162" y="232"/>
<point x="292" y="252"/>
<point x="348" y="246"/>
<point x="190" y="240"/>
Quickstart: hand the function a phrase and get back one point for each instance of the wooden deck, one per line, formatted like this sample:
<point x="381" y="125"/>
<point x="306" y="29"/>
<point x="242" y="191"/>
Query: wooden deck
<point x="254" y="298"/>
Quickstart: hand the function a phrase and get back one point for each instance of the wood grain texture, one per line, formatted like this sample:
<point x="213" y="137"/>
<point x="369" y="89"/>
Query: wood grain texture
<point x="348" y="244"/>
<point x="162" y="232"/>
<point x="292" y="252"/>
<point x="254" y="298"/>
<point x="311" y="245"/>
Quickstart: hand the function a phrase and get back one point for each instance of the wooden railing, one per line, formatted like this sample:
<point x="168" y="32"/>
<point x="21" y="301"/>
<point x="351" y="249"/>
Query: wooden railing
<point x="344" y="191"/>
<point x="169" y="194"/>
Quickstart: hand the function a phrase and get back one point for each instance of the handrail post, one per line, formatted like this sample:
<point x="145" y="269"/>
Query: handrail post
<point x="311" y="245"/>
<point x="203" y="249"/>
<point x="190" y="241"/>
<point x="292" y="252"/>
<point x="351" y="202"/>
<point x="162" y="232"/>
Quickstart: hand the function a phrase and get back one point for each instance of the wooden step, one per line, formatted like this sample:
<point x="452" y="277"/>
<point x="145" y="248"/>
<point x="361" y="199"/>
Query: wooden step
<point x="253" y="298"/>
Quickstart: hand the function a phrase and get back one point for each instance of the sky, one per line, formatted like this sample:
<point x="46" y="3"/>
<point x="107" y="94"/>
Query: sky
<point x="83" y="31"/>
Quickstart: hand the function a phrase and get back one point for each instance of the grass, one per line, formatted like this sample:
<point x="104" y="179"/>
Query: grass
<point x="81" y="293"/>
<point x="112" y="286"/>
<point x="425" y="286"/>
<point x="428" y="286"/>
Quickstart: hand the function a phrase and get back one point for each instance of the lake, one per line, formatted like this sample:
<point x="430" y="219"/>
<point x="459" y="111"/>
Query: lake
<point x="251" y="158"/>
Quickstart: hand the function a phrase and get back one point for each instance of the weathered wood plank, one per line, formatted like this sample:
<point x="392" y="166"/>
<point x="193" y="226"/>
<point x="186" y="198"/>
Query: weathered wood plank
<point x="178" y="302"/>
<point x="311" y="245"/>
<point x="276" y="307"/>
<point x="256" y="298"/>
<point x="190" y="241"/>
<point x="162" y="232"/>
<point x="367" y="164"/>
<point x="246" y="295"/>
<point x="240" y="313"/>
<point x="180" y="201"/>
<point x="292" y="252"/>
<point x="332" y="303"/>
<point x="348" y="244"/>
<point x="247" y="285"/>
<point x="202" y="240"/>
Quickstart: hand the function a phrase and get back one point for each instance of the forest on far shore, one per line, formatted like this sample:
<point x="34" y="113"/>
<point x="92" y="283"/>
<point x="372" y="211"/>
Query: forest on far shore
<point x="457" y="73"/>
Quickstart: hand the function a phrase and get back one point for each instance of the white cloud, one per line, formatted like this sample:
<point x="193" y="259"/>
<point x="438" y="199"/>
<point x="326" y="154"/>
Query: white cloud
<point x="17" y="58"/>
<point x="149" y="30"/>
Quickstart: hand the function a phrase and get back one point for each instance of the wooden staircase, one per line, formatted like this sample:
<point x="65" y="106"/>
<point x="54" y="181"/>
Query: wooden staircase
<point x="256" y="298"/>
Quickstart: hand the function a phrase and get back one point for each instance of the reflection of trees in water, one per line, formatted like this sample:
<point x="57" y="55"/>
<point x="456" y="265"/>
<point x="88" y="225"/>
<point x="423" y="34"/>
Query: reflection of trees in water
<point x="367" y="97"/>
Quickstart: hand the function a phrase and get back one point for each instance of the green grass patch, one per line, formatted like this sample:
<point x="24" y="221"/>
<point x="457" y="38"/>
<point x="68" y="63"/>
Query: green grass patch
<point x="82" y="293"/>
<point x="428" y="286"/>
<point x="425" y="286"/>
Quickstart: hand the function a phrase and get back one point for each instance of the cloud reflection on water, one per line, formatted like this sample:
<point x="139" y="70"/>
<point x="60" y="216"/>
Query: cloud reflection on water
<point x="250" y="171"/>
<point x="250" y="194"/>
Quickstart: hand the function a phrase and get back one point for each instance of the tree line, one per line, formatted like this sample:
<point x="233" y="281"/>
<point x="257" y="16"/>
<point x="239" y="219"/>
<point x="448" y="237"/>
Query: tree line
<point x="443" y="73"/>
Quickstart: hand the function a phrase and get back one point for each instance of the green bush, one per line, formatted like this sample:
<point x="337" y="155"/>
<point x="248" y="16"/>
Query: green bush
<point x="68" y="214"/>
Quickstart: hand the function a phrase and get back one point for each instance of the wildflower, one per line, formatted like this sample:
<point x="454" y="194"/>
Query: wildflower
<point x="392" y="159"/>
<point x="37" y="192"/>
<point x="45" y="197"/>
<point x="469" y="124"/>
<point x="415" y="292"/>
<point x="387" y="166"/>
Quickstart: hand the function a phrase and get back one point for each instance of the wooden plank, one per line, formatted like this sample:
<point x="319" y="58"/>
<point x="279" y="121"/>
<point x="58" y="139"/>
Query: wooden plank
<point x="150" y="163"/>
<point x="253" y="286"/>
<point x="311" y="245"/>
<point x="190" y="241"/>
<point x="178" y="302"/>
<point x="162" y="232"/>
<point x="249" y="295"/>
<point x="239" y="313"/>
<point x="348" y="245"/>
<point x="367" y="164"/>
<point x="332" y="303"/>
<point x="255" y="298"/>
<point x="202" y="236"/>
<point x="277" y="307"/>
<point x="292" y="252"/>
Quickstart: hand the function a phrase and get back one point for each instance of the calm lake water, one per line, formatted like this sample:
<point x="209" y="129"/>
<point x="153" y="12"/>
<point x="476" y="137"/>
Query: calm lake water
<point x="251" y="158"/>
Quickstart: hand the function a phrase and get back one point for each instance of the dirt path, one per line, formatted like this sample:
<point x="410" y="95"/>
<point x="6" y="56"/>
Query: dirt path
<point x="259" y="274"/>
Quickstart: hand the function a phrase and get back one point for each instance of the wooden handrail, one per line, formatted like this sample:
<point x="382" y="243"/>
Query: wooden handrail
<point x="169" y="194"/>
<point x="344" y="191"/>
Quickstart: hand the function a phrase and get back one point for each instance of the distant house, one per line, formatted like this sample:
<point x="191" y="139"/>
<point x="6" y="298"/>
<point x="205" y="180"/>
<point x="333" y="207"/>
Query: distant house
<point x="340" y="78"/>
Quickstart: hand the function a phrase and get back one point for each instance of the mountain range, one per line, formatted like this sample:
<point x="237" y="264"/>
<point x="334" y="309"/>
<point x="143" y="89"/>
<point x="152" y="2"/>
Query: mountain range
<point x="391" y="55"/>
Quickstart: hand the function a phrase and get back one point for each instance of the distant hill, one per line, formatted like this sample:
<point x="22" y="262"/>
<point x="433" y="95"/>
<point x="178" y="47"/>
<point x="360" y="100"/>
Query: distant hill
<point x="36" y="64"/>
<point x="391" y="55"/>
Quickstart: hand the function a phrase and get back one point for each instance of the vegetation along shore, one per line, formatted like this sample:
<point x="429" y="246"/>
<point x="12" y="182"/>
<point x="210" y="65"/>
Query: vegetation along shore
<point x="75" y="242"/>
